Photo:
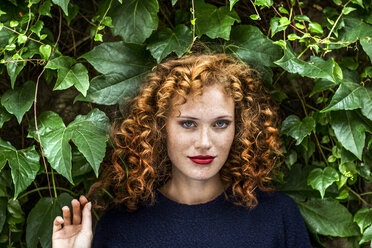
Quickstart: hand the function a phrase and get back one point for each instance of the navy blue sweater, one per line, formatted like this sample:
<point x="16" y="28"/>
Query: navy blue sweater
<point x="275" y="222"/>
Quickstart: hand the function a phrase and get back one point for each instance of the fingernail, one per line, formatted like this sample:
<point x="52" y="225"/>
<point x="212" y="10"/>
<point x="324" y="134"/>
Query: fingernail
<point x="89" y="206"/>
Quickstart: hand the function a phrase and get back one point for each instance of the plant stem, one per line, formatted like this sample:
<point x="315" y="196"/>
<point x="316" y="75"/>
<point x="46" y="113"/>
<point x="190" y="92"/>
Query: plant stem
<point x="103" y="17"/>
<point x="255" y="9"/>
<point x="359" y="196"/>
<point x="337" y="20"/>
<point x="20" y="33"/>
<point x="54" y="184"/>
<point x="366" y="193"/>
<point x="45" y="188"/>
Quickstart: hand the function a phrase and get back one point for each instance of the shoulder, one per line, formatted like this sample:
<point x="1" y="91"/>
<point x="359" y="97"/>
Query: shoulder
<point x="276" y="199"/>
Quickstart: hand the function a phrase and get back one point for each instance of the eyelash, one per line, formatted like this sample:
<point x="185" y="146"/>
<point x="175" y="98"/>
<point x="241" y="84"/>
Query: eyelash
<point x="225" y="123"/>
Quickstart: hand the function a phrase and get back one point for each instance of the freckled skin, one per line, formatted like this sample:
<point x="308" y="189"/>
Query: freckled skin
<point x="204" y="125"/>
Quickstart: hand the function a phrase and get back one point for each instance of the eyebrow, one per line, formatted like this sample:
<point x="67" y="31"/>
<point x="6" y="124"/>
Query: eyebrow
<point x="193" y="118"/>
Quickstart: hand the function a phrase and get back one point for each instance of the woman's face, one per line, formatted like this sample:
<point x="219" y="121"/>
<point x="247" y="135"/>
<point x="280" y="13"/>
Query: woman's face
<point x="199" y="134"/>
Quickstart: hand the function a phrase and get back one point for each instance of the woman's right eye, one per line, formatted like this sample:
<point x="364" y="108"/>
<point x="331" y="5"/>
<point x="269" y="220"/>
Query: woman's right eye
<point x="188" y="124"/>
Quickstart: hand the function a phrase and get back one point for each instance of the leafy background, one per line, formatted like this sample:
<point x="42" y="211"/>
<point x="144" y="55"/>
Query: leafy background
<point x="67" y="65"/>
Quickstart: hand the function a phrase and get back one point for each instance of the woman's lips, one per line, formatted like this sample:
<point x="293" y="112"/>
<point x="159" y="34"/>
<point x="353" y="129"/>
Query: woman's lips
<point x="202" y="159"/>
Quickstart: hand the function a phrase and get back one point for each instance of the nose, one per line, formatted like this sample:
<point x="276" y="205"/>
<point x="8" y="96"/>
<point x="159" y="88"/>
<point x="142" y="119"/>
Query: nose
<point x="203" y="142"/>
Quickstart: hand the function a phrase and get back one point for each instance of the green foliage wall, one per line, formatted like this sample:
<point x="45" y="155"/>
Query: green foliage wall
<point x="65" y="65"/>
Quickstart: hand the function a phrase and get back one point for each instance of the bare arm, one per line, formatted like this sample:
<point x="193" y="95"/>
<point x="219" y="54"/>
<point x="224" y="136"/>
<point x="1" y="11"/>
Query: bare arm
<point x="75" y="234"/>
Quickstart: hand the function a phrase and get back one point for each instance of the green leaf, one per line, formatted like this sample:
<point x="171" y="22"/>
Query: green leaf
<point x="135" y="20"/>
<point x="367" y="46"/>
<point x="275" y="26"/>
<point x="315" y="68"/>
<point x="124" y="67"/>
<point x="267" y="3"/>
<point x="14" y="68"/>
<point x="321" y="179"/>
<point x="214" y="22"/>
<point x="315" y="27"/>
<point x="45" y="51"/>
<point x="349" y="129"/>
<point x="76" y="76"/>
<point x="355" y="29"/>
<point x="350" y="96"/>
<point x="4" y="116"/>
<point x="302" y="18"/>
<point x="19" y="100"/>
<point x="60" y="62"/>
<point x="322" y="85"/>
<point x="347" y="10"/>
<point x="72" y="13"/>
<point x="348" y="169"/>
<point x="255" y="17"/>
<point x="89" y="134"/>
<point x="248" y="43"/>
<point x="367" y="235"/>
<point x="174" y="2"/>
<point x="40" y="220"/>
<point x="232" y="3"/>
<point x="165" y="41"/>
<point x="44" y="9"/>
<point x="328" y="217"/>
<point x="363" y="218"/>
<point x="283" y="10"/>
<point x="63" y="4"/>
<point x="24" y="165"/>
<point x="296" y="128"/>
<point x="359" y="2"/>
<point x="37" y="27"/>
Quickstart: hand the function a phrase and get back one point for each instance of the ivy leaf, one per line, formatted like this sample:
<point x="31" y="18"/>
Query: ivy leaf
<point x="69" y="74"/>
<point x="315" y="68"/>
<point x="296" y="128"/>
<point x="350" y="96"/>
<point x="328" y="217"/>
<point x="60" y="63"/>
<point x="367" y="46"/>
<point x="367" y="235"/>
<point x="214" y="22"/>
<point x="75" y="76"/>
<point x="4" y="116"/>
<point x="363" y="218"/>
<point x="276" y="26"/>
<point x="174" y="2"/>
<point x="44" y="9"/>
<point x="37" y="27"/>
<point x="89" y="134"/>
<point x="24" y="165"/>
<point x="40" y="220"/>
<point x="165" y="41"/>
<point x="135" y="20"/>
<point x="19" y="100"/>
<point x="321" y="85"/>
<point x="232" y="3"/>
<point x="14" y="68"/>
<point x="349" y="129"/>
<point x="355" y="29"/>
<point x="252" y="46"/>
<point x="63" y="4"/>
<point x="123" y="67"/>
<point x="321" y="179"/>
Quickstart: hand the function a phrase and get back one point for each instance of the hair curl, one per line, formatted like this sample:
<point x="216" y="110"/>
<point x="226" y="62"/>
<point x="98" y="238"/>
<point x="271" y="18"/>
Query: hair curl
<point x="140" y="139"/>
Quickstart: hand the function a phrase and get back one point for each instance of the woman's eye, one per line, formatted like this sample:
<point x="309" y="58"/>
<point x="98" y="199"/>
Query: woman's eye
<point x="188" y="124"/>
<point x="222" y="124"/>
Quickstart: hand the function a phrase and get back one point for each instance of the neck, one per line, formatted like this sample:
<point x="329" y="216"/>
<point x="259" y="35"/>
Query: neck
<point x="192" y="192"/>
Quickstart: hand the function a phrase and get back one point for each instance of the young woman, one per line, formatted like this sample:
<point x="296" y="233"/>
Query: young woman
<point x="199" y="143"/>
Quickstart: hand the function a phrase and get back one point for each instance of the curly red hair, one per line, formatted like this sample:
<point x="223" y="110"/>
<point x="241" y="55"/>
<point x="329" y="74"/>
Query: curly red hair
<point x="140" y="164"/>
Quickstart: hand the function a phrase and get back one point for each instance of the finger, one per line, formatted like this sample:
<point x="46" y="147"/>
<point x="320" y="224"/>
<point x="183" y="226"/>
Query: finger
<point x="83" y="200"/>
<point x="87" y="218"/>
<point x="66" y="215"/>
<point x="57" y="224"/>
<point x="76" y="211"/>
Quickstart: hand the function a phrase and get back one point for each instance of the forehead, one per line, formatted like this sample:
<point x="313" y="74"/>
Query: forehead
<point x="213" y="101"/>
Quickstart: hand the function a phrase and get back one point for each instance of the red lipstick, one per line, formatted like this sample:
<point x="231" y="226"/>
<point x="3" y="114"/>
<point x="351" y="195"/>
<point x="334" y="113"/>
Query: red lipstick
<point x="202" y="159"/>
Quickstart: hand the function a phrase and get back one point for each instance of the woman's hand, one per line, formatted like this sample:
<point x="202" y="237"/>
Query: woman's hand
<point x="77" y="234"/>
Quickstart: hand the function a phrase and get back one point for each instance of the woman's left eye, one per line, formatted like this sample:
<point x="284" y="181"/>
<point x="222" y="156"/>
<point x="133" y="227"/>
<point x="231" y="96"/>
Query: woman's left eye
<point x="222" y="124"/>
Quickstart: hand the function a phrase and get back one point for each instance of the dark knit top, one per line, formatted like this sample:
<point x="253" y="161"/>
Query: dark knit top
<point x="275" y="222"/>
